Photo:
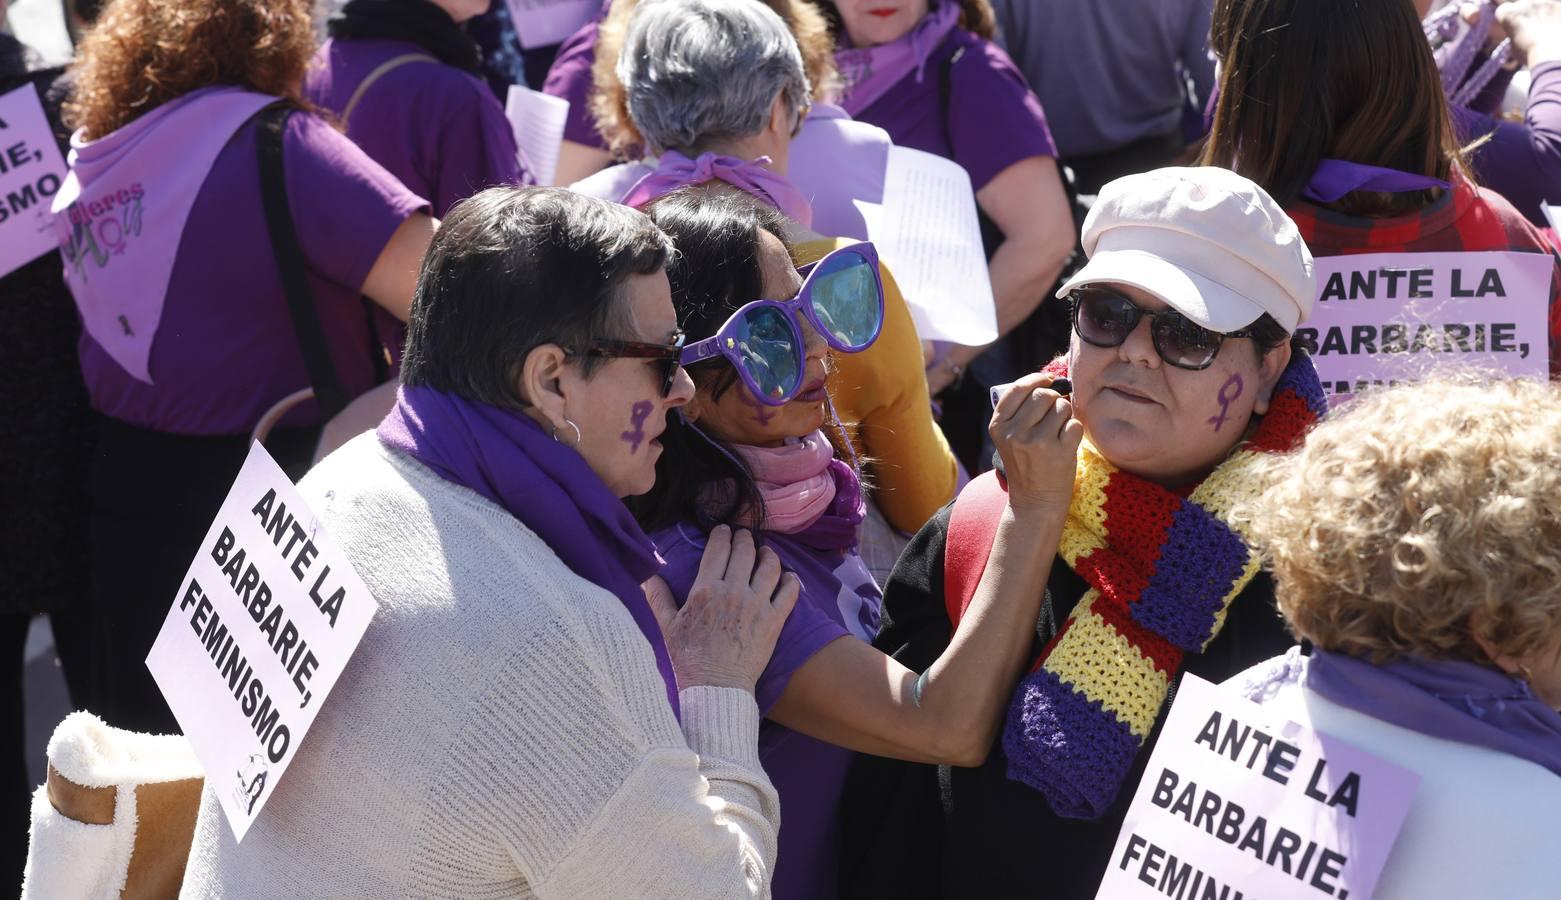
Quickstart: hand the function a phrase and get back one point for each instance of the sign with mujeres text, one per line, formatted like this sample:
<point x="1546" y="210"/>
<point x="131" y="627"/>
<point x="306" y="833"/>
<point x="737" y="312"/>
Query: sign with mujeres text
<point x="1385" y="318"/>
<point x="31" y="172"/>
<point x="263" y="625"/>
<point x="1237" y="806"/>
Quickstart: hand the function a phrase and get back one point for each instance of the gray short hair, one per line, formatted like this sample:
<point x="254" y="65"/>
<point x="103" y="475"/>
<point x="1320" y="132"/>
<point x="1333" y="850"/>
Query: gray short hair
<point x="694" y="71"/>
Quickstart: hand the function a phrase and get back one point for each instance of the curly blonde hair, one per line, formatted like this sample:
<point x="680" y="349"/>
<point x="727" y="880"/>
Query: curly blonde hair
<point x="609" y="102"/>
<point x="142" y="53"/>
<point x="1415" y="508"/>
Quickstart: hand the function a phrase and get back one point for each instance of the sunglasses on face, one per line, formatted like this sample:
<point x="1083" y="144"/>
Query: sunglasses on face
<point x="1104" y="318"/>
<point x="841" y="296"/>
<point x="665" y="356"/>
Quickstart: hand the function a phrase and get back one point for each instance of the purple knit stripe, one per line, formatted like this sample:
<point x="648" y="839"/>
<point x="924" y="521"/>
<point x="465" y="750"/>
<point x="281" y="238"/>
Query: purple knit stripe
<point x="1300" y="378"/>
<point x="1066" y="746"/>
<point x="1198" y="567"/>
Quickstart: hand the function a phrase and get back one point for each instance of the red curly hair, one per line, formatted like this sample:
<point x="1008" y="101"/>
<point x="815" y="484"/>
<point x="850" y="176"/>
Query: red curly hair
<point x="142" y="53"/>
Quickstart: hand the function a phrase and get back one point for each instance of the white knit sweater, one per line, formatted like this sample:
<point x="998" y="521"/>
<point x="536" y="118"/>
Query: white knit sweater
<point x="502" y="730"/>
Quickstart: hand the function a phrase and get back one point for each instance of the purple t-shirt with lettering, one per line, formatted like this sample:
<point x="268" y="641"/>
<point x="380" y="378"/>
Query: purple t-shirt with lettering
<point x="433" y="126"/>
<point x="225" y="350"/>
<point x="839" y="600"/>
<point x="993" y="121"/>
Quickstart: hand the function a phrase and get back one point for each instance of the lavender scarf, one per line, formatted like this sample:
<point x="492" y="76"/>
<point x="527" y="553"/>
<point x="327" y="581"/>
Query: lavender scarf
<point x="506" y="457"/>
<point x="674" y="170"/>
<point x="1455" y="701"/>
<point x="870" y="72"/>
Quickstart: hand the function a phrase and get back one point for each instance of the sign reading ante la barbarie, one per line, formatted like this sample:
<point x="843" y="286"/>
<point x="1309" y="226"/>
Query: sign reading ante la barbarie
<point x="266" y="619"/>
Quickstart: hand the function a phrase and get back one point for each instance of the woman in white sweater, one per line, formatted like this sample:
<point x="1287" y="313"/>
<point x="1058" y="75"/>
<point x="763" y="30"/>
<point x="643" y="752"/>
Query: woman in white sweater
<point x="1416" y="542"/>
<point x="514" y="723"/>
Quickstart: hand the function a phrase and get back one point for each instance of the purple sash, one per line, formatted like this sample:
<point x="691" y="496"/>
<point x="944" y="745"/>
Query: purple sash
<point x="674" y="170"/>
<point x="870" y="72"/>
<point x="121" y="212"/>
<point x="506" y="457"/>
<point x="1335" y="177"/>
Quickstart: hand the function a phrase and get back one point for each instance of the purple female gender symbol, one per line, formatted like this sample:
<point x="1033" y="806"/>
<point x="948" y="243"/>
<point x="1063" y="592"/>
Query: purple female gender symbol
<point x="1234" y="381"/>
<point x="761" y="413"/>
<point x="637" y="418"/>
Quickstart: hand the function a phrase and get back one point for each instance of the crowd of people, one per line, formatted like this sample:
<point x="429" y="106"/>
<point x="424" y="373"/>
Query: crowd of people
<point x="699" y="571"/>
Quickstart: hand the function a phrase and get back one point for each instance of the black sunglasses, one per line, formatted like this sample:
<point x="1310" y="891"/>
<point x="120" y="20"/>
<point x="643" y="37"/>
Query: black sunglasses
<point x="666" y="356"/>
<point x="1104" y="318"/>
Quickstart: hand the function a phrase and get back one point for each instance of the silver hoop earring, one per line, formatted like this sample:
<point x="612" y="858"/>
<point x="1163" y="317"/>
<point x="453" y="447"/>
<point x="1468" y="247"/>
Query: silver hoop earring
<point x="571" y="425"/>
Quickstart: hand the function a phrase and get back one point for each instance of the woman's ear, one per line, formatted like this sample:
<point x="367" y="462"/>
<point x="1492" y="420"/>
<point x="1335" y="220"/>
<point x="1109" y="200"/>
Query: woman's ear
<point x="1269" y="369"/>
<point x="541" y="382"/>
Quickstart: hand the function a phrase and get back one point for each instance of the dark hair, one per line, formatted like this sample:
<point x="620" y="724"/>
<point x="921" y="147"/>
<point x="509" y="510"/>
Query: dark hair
<point x="716" y="269"/>
<point x="514" y="268"/>
<point x="1304" y="80"/>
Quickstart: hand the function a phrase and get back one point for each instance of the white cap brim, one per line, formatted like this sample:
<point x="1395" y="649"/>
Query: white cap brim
<point x="1201" y="299"/>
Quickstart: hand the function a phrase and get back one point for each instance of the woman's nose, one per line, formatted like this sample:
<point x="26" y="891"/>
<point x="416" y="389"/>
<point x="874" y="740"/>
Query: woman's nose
<point x="813" y="344"/>
<point x="1139" y="349"/>
<point x="682" y="389"/>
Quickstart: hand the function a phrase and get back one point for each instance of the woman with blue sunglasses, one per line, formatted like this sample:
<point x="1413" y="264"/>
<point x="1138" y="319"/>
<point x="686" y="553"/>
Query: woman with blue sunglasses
<point x="758" y="447"/>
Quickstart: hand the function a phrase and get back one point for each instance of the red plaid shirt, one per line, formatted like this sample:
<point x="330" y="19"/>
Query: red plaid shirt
<point x="1465" y="218"/>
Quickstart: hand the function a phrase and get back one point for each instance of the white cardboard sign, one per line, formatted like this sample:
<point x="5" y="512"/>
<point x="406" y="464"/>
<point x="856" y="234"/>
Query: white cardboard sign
<point x="1383" y="318"/>
<point x="31" y="172"/>
<point x="1237" y="804"/>
<point x="264" y="622"/>
<point x="538" y="122"/>
<point x="543" y="23"/>
<point x="928" y="233"/>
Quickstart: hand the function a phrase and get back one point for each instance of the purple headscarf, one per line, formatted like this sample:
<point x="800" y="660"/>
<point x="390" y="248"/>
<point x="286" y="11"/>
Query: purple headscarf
<point x="674" y="170"/>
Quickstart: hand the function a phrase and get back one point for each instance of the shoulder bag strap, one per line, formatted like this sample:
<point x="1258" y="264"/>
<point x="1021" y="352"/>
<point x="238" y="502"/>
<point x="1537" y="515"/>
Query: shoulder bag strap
<point x="968" y="544"/>
<point x="379" y="72"/>
<point x="290" y="263"/>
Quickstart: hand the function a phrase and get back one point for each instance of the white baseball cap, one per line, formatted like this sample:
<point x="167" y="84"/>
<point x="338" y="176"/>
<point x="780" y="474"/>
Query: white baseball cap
<point x="1210" y="243"/>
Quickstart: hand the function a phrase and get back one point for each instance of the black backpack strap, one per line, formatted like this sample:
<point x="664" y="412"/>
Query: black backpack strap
<point x="290" y="263"/>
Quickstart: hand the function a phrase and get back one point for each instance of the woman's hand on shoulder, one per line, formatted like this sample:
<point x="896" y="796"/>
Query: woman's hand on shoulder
<point x="1038" y="439"/>
<point x="725" y="632"/>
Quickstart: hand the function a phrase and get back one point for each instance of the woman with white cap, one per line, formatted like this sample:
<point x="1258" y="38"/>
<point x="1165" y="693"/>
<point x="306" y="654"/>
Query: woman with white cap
<point x="1182" y="373"/>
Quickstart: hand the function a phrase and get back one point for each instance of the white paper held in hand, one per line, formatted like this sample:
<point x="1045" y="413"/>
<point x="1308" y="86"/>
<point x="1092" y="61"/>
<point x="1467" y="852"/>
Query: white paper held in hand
<point x="538" y="122"/>
<point x="928" y="234"/>
<point x="263" y="625"/>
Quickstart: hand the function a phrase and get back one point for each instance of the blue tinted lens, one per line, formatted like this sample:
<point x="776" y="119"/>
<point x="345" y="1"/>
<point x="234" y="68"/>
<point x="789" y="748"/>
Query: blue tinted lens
<point x="844" y="295"/>
<point x="767" y="345"/>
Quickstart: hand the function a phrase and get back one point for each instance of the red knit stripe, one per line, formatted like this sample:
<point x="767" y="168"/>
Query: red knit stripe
<point x="1166" y="656"/>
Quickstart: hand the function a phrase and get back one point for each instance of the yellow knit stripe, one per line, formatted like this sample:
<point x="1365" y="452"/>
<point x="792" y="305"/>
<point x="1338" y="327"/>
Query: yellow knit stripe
<point x="1106" y="667"/>
<point x="1086" y="529"/>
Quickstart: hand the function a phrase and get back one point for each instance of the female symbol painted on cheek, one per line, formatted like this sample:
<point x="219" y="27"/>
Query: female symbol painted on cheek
<point x="1235" y="384"/>
<point x="637" y="418"/>
<point x="761" y="413"/>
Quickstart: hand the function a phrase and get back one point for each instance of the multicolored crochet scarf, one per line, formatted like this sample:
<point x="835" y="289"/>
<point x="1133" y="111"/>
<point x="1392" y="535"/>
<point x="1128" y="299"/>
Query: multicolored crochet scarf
<point x="1162" y="572"/>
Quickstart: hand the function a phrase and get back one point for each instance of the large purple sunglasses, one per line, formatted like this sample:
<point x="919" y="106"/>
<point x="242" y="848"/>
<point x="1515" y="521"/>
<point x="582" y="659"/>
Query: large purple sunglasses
<point x="841" y="295"/>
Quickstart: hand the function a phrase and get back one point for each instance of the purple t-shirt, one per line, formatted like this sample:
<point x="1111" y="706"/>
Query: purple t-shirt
<point x="993" y="118"/>
<point x="1522" y="160"/>
<point x="433" y="126"/>
<point x="225" y="350"/>
<point x="570" y="78"/>
<point x="839" y="599"/>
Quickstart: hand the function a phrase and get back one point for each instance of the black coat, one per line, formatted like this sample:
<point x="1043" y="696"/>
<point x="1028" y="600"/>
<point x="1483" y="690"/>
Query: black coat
<point x="46" y="423"/>
<point x="920" y="831"/>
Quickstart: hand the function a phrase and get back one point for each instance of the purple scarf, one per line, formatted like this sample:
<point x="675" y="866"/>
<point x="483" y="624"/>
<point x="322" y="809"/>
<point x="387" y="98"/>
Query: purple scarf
<point x="506" y="457"/>
<point x="1335" y="177"/>
<point x="675" y="170"/>
<point x="1455" y="701"/>
<point x="870" y="72"/>
<point x="121" y="212"/>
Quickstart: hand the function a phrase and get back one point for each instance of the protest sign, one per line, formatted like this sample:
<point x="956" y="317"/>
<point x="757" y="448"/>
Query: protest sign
<point x="927" y="232"/>
<point x="1235" y="804"/>
<point x="1383" y="318"/>
<point x="538" y="122"/>
<point x="543" y="23"/>
<point x="263" y="624"/>
<point x="31" y="172"/>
